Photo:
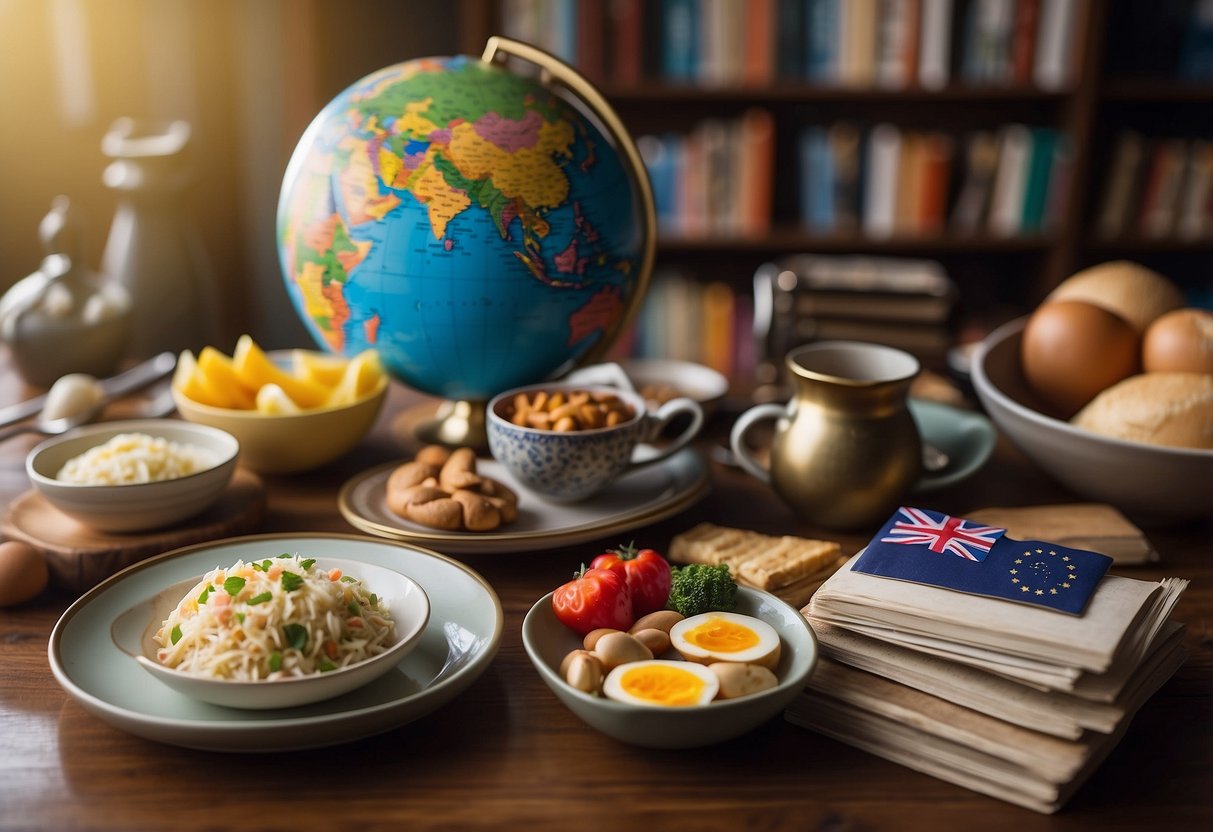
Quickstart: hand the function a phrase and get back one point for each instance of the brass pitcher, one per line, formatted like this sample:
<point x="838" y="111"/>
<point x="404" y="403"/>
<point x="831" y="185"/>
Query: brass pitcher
<point x="846" y="448"/>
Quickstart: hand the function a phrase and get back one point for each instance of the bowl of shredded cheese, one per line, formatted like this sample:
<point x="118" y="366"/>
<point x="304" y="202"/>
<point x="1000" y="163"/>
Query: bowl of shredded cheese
<point x="134" y="475"/>
<point x="276" y="631"/>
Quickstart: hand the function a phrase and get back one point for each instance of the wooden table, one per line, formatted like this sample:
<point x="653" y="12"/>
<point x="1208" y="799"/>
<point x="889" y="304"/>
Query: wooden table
<point x="507" y="754"/>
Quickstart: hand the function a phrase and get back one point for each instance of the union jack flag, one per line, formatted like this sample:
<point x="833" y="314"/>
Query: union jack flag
<point x="942" y="533"/>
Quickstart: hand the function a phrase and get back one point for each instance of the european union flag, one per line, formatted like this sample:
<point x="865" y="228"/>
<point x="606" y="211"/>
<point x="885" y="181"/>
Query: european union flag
<point x="927" y="547"/>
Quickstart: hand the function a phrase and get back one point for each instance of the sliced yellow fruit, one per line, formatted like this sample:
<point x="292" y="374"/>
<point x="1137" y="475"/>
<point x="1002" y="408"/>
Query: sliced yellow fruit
<point x="362" y="375"/>
<point x="273" y="400"/>
<point x="256" y="370"/>
<point x="318" y="367"/>
<point x="220" y="374"/>
<point x="190" y="382"/>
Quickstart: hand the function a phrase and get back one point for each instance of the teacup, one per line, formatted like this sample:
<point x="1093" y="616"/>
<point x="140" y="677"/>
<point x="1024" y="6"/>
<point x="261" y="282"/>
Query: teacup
<point x="571" y="465"/>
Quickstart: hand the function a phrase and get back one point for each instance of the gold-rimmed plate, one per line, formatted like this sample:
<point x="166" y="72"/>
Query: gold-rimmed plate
<point x="638" y="498"/>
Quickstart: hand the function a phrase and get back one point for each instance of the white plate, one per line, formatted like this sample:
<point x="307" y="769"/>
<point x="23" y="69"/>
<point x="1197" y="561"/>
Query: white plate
<point x="459" y="642"/>
<point x="638" y="498"/>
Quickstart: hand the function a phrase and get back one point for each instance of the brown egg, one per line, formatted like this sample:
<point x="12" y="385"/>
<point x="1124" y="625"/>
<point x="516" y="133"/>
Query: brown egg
<point x="23" y="573"/>
<point x="1073" y="350"/>
<point x="1179" y="342"/>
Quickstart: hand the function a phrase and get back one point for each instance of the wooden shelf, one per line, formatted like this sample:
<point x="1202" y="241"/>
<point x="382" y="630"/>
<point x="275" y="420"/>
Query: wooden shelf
<point x="664" y="93"/>
<point x="1129" y="245"/>
<point x="785" y="240"/>
<point x="1157" y="90"/>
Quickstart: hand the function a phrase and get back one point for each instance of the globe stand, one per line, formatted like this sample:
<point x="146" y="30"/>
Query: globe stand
<point x="456" y="424"/>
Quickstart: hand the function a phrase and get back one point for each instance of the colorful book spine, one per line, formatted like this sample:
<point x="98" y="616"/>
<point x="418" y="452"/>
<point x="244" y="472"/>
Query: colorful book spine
<point x="817" y="180"/>
<point x="680" y="35"/>
<point x="823" y="36"/>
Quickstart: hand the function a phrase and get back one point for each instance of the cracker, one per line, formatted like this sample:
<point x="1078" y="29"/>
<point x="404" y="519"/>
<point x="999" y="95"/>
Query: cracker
<point x="789" y="560"/>
<point x="705" y="543"/>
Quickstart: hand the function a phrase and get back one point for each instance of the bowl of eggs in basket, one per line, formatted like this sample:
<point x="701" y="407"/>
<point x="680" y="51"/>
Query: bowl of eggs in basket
<point x="1108" y="387"/>
<point x="677" y="682"/>
<point x="291" y="410"/>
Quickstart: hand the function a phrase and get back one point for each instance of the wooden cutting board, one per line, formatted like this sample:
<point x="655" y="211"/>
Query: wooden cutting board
<point x="80" y="557"/>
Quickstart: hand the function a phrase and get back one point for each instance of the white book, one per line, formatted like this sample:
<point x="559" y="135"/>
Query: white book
<point x="713" y="47"/>
<point x="1011" y="181"/>
<point x="935" y="43"/>
<point x="1056" y="42"/>
<point x="880" y="190"/>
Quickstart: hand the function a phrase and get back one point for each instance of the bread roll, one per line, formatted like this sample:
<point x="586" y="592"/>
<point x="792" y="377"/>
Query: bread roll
<point x="1135" y="293"/>
<point x="1174" y="409"/>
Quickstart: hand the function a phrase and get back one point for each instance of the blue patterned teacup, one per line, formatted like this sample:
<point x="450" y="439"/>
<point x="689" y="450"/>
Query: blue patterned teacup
<point x="571" y="465"/>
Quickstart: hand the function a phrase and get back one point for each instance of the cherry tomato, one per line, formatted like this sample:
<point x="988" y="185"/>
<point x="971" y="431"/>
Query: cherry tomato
<point x="594" y="598"/>
<point x="647" y="574"/>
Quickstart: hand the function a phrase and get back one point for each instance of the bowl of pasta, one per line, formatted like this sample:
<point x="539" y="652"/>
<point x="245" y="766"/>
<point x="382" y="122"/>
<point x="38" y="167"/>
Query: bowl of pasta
<point x="275" y="633"/>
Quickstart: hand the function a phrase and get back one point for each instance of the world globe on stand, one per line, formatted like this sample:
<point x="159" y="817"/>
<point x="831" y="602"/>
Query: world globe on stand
<point x="468" y="222"/>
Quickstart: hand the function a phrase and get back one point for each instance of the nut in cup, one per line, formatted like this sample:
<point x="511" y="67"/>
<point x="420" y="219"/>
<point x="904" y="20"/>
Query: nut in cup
<point x="567" y="442"/>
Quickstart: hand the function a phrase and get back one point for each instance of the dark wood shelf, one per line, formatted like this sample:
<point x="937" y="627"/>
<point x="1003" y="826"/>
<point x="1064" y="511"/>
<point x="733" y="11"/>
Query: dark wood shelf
<point x="1157" y="90"/>
<point x="790" y="239"/>
<point x="660" y="92"/>
<point x="1129" y="245"/>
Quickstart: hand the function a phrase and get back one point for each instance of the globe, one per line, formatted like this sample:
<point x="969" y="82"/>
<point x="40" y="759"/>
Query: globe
<point x="467" y="221"/>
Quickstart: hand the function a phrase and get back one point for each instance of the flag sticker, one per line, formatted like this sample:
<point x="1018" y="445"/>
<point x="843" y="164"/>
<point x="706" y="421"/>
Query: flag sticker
<point x="927" y="547"/>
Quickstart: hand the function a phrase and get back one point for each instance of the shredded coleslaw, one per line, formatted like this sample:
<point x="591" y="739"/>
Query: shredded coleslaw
<point x="273" y="619"/>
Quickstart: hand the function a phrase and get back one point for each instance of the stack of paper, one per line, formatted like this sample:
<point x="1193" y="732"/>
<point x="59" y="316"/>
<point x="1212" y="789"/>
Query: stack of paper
<point x="1017" y="701"/>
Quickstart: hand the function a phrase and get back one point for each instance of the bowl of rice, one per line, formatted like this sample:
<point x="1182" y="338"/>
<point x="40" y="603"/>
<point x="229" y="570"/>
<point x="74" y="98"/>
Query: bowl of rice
<point x="134" y="475"/>
<point x="276" y="631"/>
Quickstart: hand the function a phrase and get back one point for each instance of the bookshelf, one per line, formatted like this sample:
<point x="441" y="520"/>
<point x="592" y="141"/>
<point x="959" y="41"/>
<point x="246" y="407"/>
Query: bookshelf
<point x="1065" y="79"/>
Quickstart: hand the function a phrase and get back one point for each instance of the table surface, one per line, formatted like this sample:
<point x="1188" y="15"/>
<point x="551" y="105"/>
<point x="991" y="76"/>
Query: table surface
<point x="508" y="754"/>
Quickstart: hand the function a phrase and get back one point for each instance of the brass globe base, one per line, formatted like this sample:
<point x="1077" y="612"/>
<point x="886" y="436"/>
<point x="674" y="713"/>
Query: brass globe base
<point x="457" y="424"/>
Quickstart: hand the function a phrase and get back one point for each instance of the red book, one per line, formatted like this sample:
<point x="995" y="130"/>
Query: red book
<point x="1023" y="41"/>
<point x="591" y="27"/>
<point x="758" y="57"/>
<point x="627" y="29"/>
<point x="934" y="183"/>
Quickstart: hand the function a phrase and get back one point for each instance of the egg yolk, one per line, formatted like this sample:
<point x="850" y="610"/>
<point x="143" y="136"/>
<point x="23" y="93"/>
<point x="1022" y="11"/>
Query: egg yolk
<point x="663" y="686"/>
<point x="719" y="635"/>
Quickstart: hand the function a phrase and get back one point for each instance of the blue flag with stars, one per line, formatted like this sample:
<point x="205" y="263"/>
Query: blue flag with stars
<point x="927" y="547"/>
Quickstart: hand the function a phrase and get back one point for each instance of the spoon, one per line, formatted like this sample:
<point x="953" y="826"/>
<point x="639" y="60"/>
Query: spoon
<point x="72" y="401"/>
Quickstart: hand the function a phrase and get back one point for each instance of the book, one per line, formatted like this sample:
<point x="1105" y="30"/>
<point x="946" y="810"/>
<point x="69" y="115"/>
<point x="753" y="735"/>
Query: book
<point x="1195" y="220"/>
<point x="1023" y="41"/>
<point x="714" y="33"/>
<point x="1042" y="155"/>
<point x="935" y="44"/>
<point x="817" y="180"/>
<point x="1161" y="195"/>
<point x="1010" y="180"/>
<point x="880" y="191"/>
<point x="857" y="43"/>
<point x="626" y="27"/>
<point x="892" y="31"/>
<point x="1123" y="177"/>
<point x="680" y="36"/>
<point x="591" y="25"/>
<point x="981" y="162"/>
<point x="846" y="145"/>
<point x="909" y="185"/>
<point x="883" y="289"/>
<point x="1055" y="46"/>
<point x="790" y="40"/>
<point x="759" y="54"/>
<point x="755" y="182"/>
<point x="823" y="21"/>
<point x="934" y="182"/>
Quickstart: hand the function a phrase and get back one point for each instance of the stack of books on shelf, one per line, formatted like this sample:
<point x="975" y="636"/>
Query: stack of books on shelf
<point x="716" y="179"/>
<point x="1008" y="667"/>
<point x="689" y="319"/>
<point x="895" y="182"/>
<point x="901" y="302"/>
<point x="1158" y="188"/>
<point x="892" y="44"/>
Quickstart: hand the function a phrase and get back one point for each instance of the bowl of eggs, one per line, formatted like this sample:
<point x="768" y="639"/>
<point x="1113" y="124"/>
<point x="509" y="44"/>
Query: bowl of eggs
<point x="691" y="691"/>
<point x="291" y="410"/>
<point x="134" y="475"/>
<point x="1108" y="387"/>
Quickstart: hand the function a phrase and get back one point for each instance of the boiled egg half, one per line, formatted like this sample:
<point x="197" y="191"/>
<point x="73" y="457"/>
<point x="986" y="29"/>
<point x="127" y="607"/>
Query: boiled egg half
<point x="661" y="682"/>
<point x="726" y="637"/>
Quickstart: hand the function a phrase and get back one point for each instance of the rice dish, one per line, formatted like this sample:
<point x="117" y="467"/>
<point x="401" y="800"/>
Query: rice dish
<point x="131" y="458"/>
<point x="274" y="619"/>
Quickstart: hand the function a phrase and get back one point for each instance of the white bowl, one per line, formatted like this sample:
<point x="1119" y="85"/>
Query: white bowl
<point x="135" y="506"/>
<point x="1152" y="484"/>
<point x="548" y="641"/>
<point x="134" y="632"/>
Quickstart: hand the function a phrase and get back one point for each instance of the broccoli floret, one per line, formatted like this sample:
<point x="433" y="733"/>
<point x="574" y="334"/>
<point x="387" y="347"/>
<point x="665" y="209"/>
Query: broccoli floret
<point x="698" y="588"/>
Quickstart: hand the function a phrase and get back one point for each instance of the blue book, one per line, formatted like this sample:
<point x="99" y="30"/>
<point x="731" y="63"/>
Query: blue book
<point x="927" y="547"/>
<point x="823" y="37"/>
<point x="817" y="180"/>
<point x="679" y="40"/>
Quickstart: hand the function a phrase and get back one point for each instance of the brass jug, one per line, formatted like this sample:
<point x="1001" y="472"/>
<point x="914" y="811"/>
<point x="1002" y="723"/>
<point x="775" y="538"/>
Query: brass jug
<point x="846" y="448"/>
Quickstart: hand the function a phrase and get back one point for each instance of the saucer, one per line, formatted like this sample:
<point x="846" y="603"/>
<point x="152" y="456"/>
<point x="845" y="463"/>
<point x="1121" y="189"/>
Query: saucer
<point x="967" y="438"/>
<point x="638" y="498"/>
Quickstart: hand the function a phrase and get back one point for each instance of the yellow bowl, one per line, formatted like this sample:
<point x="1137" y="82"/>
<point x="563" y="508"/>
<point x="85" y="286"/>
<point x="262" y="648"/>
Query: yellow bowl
<point x="286" y="443"/>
